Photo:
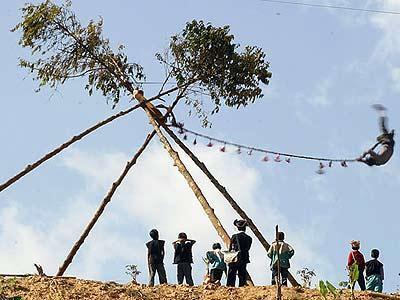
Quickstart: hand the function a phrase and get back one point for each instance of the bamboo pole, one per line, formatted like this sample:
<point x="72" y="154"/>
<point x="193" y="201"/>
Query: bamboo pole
<point x="102" y="206"/>
<point x="115" y="185"/>
<point x="54" y="152"/>
<point x="226" y="194"/>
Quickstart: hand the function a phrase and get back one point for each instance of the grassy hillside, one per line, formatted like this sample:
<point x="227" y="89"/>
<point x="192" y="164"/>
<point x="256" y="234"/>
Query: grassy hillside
<point x="41" y="288"/>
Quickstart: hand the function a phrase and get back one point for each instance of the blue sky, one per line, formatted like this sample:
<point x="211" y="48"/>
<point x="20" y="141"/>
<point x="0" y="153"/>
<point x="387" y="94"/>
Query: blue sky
<point x="328" y="67"/>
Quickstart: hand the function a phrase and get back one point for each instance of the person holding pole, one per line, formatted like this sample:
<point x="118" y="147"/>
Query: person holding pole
<point x="280" y="253"/>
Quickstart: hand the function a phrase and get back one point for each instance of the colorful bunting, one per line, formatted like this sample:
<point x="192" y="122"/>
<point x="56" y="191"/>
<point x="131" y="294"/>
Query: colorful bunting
<point x="278" y="156"/>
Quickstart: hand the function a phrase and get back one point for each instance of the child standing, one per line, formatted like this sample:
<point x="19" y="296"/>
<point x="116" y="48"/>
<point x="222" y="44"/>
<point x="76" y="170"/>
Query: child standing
<point x="183" y="258"/>
<point x="155" y="258"/>
<point x="374" y="273"/>
<point x="217" y="265"/>
<point x="356" y="256"/>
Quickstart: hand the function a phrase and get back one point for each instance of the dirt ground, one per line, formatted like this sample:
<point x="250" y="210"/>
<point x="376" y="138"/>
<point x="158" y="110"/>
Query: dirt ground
<point x="41" y="288"/>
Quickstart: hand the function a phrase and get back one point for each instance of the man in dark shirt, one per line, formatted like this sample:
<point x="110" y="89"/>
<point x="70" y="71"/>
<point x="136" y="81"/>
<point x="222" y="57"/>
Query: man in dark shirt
<point x="239" y="242"/>
<point x="183" y="258"/>
<point x="155" y="258"/>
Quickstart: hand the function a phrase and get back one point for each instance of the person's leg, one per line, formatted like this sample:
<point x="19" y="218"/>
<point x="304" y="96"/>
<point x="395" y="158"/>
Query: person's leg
<point x="162" y="275"/>
<point x="242" y="274"/>
<point x="379" y="286"/>
<point x="382" y="124"/>
<point x="152" y="274"/>
<point x="284" y="276"/>
<point x="361" y="281"/>
<point x="274" y="275"/>
<point x="187" y="272"/>
<point x="180" y="273"/>
<point x="218" y="274"/>
<point x="232" y="270"/>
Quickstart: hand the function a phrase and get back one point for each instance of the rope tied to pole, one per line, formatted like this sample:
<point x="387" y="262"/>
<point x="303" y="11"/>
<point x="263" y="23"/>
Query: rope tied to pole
<point x="279" y="156"/>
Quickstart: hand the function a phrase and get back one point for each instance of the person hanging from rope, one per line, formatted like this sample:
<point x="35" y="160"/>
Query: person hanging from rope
<point x="385" y="141"/>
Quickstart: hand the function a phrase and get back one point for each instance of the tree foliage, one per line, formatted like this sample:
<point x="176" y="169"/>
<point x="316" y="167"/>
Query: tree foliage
<point x="62" y="49"/>
<point x="202" y="58"/>
<point x="209" y="55"/>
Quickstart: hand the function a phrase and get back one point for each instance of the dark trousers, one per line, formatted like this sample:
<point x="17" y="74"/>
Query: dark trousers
<point x="157" y="268"/>
<point x="240" y="270"/>
<point x="185" y="271"/>
<point x="216" y="275"/>
<point x="284" y="275"/>
<point x="361" y="280"/>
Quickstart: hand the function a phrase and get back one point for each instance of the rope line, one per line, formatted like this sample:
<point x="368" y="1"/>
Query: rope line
<point x="335" y="7"/>
<point x="251" y="149"/>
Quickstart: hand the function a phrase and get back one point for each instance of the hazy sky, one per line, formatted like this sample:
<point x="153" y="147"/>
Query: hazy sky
<point x="328" y="67"/>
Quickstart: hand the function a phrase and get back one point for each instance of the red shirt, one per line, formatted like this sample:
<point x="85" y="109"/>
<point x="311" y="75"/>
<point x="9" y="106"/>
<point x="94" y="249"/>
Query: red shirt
<point x="357" y="255"/>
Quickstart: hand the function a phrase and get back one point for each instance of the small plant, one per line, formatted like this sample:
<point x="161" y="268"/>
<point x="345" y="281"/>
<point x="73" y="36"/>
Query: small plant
<point x="132" y="270"/>
<point x="306" y="276"/>
<point x="323" y="290"/>
<point x="354" y="273"/>
<point x="325" y="287"/>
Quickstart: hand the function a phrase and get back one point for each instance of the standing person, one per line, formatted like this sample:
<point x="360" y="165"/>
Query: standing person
<point x="183" y="258"/>
<point x="374" y="273"/>
<point x="285" y="253"/>
<point x="239" y="242"/>
<point x="216" y="262"/>
<point x="356" y="256"/>
<point x="155" y="258"/>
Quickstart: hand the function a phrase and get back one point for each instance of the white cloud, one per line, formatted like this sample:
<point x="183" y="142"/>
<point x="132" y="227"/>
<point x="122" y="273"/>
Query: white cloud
<point x="389" y="45"/>
<point x="153" y="195"/>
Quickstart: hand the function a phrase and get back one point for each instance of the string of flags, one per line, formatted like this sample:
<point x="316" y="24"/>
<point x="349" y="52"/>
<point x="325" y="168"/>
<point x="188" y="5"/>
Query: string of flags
<point x="267" y="155"/>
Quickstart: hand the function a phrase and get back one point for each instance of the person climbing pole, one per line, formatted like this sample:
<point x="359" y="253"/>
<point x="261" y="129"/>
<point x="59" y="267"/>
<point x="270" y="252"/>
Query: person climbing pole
<point x="385" y="141"/>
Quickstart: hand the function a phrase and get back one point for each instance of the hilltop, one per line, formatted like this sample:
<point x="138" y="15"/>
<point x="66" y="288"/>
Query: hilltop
<point x="40" y="288"/>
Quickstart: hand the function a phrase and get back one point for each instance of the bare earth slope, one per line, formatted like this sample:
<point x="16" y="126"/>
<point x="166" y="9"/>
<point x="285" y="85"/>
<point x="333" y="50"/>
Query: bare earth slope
<point x="40" y="288"/>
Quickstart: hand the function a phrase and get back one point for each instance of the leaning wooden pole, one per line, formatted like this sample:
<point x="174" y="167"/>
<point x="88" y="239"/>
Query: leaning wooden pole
<point x="54" y="152"/>
<point x="225" y="193"/>
<point x="102" y="206"/>
<point x="153" y="115"/>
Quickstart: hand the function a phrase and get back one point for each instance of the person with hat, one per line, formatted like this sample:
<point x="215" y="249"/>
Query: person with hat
<point x="385" y="140"/>
<point x="183" y="258"/>
<point x="216" y="264"/>
<point x="355" y="256"/>
<point x="240" y="242"/>
<point x="374" y="273"/>
<point x="155" y="258"/>
<point x="284" y="252"/>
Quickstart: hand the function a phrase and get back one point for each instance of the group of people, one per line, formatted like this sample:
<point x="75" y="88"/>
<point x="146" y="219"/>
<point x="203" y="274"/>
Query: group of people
<point x="232" y="262"/>
<point x="373" y="269"/>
